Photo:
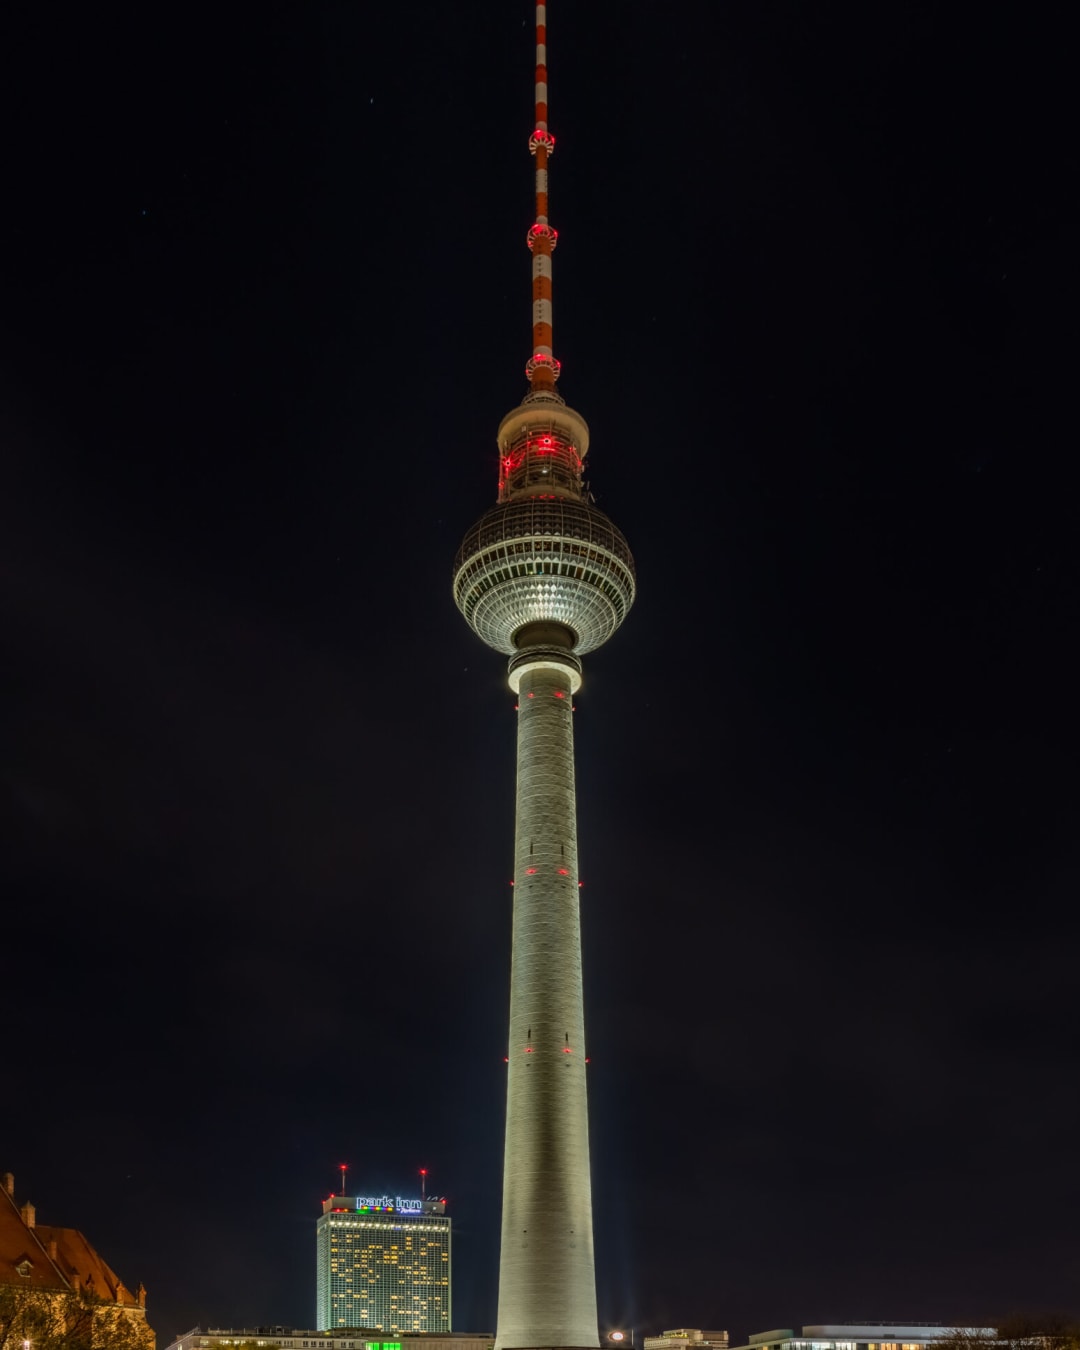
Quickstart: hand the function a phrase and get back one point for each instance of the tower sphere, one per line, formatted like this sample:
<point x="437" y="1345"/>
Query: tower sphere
<point x="544" y="555"/>
<point x="537" y="560"/>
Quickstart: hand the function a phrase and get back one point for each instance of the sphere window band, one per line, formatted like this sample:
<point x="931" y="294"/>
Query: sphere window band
<point x="507" y="576"/>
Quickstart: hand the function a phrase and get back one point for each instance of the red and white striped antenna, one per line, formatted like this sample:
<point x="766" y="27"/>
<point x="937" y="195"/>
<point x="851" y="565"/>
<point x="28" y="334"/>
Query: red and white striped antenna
<point x="542" y="368"/>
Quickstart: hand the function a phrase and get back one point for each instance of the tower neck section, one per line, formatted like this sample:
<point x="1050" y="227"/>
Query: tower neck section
<point x="542" y="449"/>
<point x="542" y="368"/>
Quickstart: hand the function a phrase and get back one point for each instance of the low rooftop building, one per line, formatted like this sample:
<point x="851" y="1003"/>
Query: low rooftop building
<point x="854" y="1336"/>
<point x="341" y="1338"/>
<point x="687" y="1338"/>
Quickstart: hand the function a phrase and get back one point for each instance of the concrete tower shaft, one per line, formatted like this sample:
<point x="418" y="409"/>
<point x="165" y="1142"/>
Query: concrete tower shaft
<point x="547" y="1288"/>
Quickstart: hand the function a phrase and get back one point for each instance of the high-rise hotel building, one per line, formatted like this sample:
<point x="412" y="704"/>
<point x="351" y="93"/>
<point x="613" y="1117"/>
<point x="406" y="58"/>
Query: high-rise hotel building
<point x="384" y="1263"/>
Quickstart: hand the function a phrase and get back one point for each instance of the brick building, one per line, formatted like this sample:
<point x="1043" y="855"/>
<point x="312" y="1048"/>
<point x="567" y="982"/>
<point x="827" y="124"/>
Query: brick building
<point x="56" y="1289"/>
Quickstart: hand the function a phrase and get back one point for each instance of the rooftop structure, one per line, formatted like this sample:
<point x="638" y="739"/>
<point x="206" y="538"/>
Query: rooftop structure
<point x="544" y="578"/>
<point x="687" y="1338"/>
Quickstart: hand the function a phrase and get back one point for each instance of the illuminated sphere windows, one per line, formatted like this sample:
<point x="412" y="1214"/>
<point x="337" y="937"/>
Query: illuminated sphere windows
<point x="544" y="560"/>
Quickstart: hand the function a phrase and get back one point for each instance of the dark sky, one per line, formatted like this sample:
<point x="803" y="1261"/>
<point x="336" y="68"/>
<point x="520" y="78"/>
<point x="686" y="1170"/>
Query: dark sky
<point x="265" y="300"/>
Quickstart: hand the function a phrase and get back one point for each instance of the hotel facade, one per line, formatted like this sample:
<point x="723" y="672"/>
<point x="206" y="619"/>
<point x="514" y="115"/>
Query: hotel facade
<point x="383" y="1262"/>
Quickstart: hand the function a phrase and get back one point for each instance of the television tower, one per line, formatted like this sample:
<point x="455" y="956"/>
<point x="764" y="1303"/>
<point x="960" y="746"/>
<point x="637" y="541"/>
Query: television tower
<point x="544" y="577"/>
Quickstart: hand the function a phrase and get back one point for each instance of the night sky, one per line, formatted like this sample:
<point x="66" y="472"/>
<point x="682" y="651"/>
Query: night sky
<point x="265" y="299"/>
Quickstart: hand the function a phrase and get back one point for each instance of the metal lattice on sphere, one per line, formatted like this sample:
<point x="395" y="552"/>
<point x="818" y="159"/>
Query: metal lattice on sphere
<point x="544" y="560"/>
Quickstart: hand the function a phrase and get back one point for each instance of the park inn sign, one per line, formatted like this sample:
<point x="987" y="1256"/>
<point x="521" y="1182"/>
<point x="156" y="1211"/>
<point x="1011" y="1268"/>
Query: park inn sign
<point x="389" y="1204"/>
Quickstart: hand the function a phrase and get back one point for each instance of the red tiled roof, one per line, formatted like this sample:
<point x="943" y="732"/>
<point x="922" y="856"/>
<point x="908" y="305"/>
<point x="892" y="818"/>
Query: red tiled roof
<point x="76" y="1263"/>
<point x="76" y="1258"/>
<point x="19" y="1244"/>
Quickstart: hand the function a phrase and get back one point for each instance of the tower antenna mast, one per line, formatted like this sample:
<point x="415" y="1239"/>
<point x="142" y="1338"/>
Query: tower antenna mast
<point x="542" y="368"/>
<point x="343" y="1168"/>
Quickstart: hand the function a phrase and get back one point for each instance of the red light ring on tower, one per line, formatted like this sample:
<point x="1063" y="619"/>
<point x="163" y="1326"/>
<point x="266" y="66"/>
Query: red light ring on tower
<point x="539" y="361"/>
<point x="538" y="232"/>
<point x="539" y="138"/>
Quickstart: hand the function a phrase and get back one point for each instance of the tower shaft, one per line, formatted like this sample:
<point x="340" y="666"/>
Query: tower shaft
<point x="547" y="1285"/>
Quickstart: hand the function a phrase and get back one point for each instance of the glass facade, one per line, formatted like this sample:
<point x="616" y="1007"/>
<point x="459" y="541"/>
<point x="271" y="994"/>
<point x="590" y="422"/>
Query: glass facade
<point x="388" y="1273"/>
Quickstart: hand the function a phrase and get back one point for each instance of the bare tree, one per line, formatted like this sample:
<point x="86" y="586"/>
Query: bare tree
<point x="1017" y="1332"/>
<point x="60" y="1319"/>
